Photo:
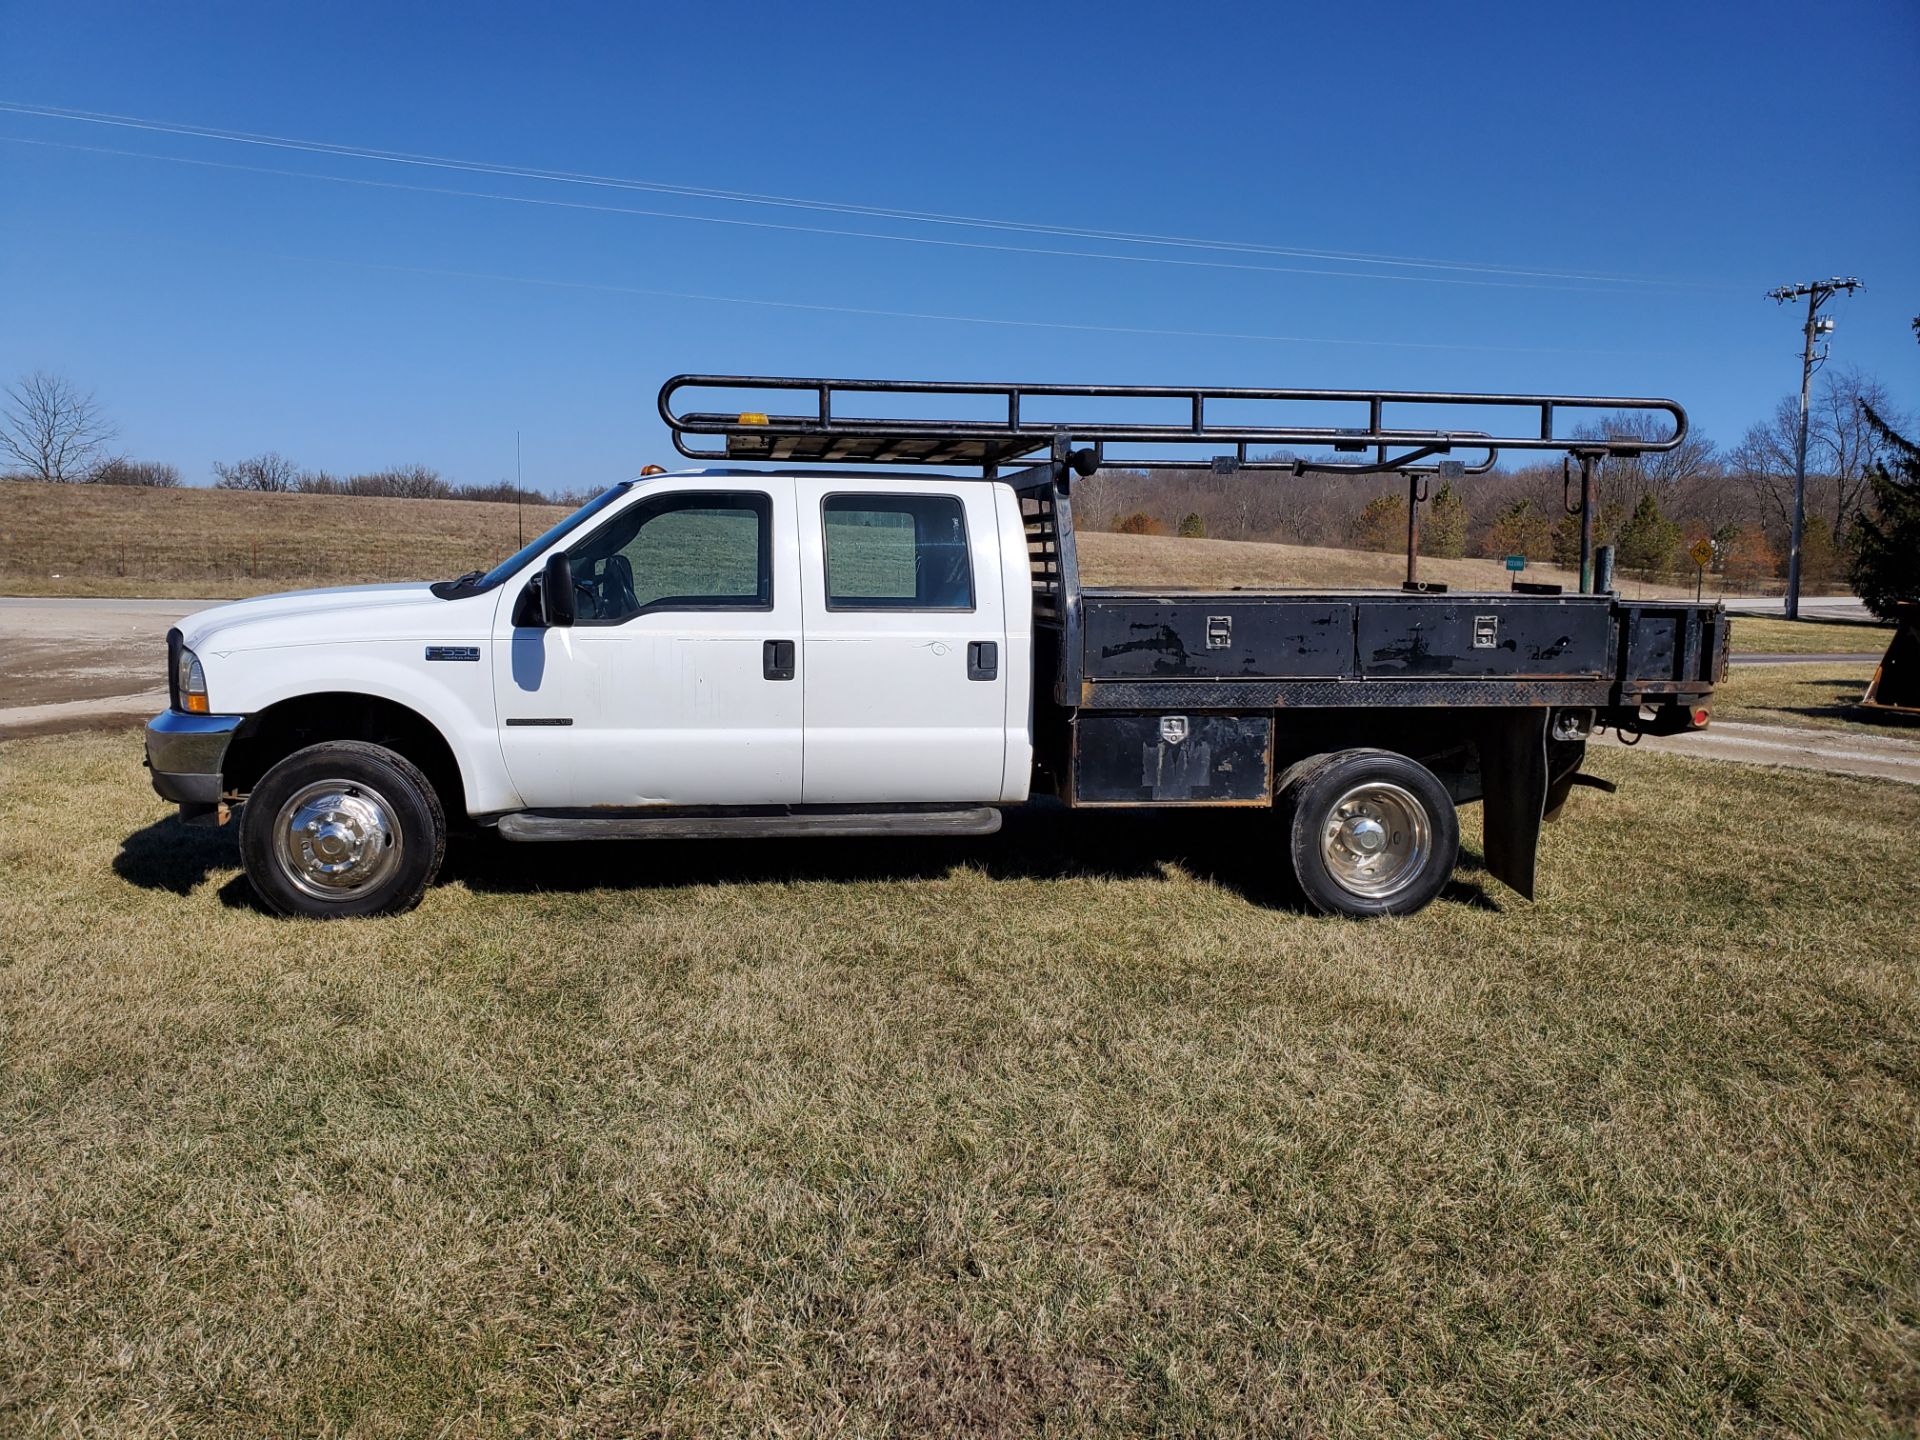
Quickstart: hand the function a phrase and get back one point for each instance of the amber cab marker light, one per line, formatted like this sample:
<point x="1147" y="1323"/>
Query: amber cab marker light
<point x="646" y="470"/>
<point x="754" y="417"/>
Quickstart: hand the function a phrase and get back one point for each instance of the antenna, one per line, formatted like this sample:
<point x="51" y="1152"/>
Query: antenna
<point x="519" y="513"/>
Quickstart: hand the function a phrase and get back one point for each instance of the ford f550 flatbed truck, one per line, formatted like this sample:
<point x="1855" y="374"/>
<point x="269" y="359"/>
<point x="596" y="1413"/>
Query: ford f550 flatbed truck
<point x="840" y="643"/>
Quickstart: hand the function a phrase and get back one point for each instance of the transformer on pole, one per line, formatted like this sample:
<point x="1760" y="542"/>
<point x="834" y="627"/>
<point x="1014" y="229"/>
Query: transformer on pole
<point x="1817" y="292"/>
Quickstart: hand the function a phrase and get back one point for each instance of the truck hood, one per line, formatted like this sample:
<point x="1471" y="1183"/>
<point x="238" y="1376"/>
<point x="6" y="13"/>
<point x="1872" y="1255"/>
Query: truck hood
<point x="344" y="613"/>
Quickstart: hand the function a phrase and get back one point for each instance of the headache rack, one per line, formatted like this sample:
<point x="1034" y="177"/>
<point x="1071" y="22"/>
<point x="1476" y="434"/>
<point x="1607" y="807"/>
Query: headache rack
<point x="1015" y="433"/>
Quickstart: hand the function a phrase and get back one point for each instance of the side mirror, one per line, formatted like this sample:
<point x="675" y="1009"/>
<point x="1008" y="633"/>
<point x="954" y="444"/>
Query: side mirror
<point x="556" y="590"/>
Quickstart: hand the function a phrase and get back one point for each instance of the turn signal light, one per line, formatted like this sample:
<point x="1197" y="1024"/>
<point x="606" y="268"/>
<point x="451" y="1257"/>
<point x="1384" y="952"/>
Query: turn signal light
<point x="1700" y="717"/>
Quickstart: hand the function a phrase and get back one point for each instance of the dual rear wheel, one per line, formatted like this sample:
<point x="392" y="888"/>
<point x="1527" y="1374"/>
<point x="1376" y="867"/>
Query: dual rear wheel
<point x="1369" y="832"/>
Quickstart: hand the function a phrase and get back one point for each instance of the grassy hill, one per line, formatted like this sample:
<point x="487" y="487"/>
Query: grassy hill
<point x="115" y="540"/>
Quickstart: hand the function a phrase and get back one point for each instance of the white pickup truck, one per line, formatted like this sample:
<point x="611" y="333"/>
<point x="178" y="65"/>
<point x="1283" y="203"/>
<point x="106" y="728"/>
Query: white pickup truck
<point x="817" y="650"/>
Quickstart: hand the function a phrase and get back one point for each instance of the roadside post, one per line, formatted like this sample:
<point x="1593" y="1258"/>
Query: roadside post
<point x="1702" y="553"/>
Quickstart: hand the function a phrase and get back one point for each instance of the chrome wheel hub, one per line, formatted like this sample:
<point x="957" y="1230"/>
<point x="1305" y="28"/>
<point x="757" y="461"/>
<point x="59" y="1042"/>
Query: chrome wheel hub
<point x="1377" y="840"/>
<point x="337" y="839"/>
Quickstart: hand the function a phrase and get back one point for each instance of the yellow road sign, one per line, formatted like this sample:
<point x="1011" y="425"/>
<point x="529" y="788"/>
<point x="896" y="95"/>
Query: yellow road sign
<point x="1702" y="552"/>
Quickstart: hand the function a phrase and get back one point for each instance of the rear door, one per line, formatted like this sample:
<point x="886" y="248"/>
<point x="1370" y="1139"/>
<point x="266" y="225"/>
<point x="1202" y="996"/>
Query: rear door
<point x="905" y="641"/>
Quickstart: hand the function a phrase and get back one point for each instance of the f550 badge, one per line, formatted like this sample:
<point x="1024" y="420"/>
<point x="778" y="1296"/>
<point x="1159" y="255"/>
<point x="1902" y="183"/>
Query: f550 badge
<point x="453" y="652"/>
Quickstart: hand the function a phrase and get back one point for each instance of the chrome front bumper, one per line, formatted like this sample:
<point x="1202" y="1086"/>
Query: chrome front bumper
<point x="185" y="752"/>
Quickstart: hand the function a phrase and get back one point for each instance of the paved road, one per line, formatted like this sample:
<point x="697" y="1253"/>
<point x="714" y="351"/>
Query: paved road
<point x="1856" y="657"/>
<point x="1812" y="607"/>
<point x="1799" y="747"/>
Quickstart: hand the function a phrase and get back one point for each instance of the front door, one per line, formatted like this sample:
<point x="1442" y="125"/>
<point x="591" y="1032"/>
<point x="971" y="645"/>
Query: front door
<point x="680" y="682"/>
<point x="906" y="643"/>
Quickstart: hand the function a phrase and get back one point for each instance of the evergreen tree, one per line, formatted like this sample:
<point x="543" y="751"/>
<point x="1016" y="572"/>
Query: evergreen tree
<point x="1444" y="531"/>
<point x="1884" y="566"/>
<point x="1382" y="524"/>
<point x="1193" y="526"/>
<point x="1648" y="540"/>
<point x="1521" y="529"/>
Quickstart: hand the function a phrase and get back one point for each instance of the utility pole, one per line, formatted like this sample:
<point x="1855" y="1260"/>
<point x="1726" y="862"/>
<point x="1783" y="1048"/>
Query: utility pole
<point x="1818" y="292"/>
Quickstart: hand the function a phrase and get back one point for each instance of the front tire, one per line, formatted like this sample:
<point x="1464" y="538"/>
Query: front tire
<point x="342" y="829"/>
<point x="1369" y="832"/>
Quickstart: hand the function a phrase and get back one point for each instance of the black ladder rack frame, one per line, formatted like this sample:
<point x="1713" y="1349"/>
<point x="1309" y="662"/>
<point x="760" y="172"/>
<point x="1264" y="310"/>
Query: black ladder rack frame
<point x="832" y="438"/>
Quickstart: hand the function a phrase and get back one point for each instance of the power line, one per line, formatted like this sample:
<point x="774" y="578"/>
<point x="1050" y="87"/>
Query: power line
<point x="733" y="221"/>
<point x="922" y="217"/>
<point x="606" y="288"/>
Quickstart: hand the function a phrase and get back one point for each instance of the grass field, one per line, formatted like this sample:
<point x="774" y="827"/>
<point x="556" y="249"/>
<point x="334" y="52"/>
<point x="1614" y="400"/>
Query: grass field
<point x="114" y="540"/>
<point x="1761" y="635"/>
<point x="1823" y="695"/>
<point x="1072" y="1129"/>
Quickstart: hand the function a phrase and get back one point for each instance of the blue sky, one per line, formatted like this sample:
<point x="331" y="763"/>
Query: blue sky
<point x="1707" y="153"/>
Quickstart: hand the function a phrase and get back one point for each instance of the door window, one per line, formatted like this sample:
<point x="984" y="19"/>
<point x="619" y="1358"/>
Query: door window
<point x="686" y="551"/>
<point x="896" y="552"/>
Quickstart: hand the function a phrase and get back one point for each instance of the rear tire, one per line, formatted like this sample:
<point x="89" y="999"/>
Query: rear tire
<point x="342" y="829"/>
<point x="1369" y="832"/>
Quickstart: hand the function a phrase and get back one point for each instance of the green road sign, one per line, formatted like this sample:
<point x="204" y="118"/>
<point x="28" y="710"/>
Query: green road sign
<point x="1516" y="562"/>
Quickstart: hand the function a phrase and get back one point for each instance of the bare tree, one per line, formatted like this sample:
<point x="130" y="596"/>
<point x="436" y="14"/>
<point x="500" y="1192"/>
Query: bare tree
<point x="149" y="474"/>
<point x="268" y="470"/>
<point x="51" y="429"/>
<point x="1841" y="447"/>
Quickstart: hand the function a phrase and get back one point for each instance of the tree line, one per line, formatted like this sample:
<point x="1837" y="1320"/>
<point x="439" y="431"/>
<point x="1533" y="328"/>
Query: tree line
<point x="1862" y="521"/>
<point x="52" y="431"/>
<point x="1650" y="508"/>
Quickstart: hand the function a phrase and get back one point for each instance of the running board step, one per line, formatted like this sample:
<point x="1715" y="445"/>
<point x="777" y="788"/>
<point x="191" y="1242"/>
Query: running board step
<point x="533" y="825"/>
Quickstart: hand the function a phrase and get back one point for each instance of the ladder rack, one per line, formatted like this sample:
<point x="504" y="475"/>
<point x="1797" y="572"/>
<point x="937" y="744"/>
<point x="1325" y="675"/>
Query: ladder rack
<point x="827" y="435"/>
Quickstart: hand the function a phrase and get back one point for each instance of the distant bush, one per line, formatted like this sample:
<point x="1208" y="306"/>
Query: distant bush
<point x="1193" y="526"/>
<point x="268" y="472"/>
<point x="1139" y="523"/>
<point x="151" y="474"/>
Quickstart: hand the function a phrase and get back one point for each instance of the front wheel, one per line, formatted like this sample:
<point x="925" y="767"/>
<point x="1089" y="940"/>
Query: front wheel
<point x="1370" y="833"/>
<point x="342" y="829"/>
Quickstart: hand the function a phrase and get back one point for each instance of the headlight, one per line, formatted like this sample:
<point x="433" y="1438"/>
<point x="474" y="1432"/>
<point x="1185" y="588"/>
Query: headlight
<point x="190" y="683"/>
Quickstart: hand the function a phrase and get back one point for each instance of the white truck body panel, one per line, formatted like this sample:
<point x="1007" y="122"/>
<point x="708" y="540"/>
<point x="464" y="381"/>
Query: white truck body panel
<point x="891" y="717"/>
<point x="666" y="708"/>
<point x="674" y="706"/>
<point x="363" y="640"/>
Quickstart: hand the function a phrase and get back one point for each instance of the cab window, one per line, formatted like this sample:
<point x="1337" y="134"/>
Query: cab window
<point x="896" y="552"/>
<point x="692" y="550"/>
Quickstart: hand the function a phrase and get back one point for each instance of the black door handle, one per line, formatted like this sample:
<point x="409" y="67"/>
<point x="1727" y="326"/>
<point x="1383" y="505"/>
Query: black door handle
<point x="776" y="659"/>
<point x="983" y="660"/>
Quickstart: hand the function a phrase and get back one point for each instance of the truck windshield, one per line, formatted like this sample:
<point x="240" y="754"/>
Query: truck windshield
<point x="476" y="581"/>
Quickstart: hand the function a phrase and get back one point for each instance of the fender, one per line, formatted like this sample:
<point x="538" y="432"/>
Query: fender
<point x="456" y="699"/>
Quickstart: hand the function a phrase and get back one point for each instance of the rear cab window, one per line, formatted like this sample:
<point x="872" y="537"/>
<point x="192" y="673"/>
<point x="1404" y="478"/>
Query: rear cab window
<point x="896" y="552"/>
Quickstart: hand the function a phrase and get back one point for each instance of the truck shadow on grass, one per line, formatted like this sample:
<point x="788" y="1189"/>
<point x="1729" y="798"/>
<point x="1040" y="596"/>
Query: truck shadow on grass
<point x="1832" y="700"/>
<point x="1239" y="851"/>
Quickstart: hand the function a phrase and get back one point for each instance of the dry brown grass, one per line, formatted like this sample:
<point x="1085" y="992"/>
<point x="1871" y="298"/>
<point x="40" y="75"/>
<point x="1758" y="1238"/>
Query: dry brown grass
<point x="115" y="540"/>
<point x="1069" y="1130"/>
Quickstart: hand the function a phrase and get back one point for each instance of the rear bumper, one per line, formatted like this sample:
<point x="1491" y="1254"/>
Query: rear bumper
<point x="185" y="753"/>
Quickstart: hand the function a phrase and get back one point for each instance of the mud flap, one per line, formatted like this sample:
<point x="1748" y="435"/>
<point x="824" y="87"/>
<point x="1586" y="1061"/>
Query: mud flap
<point x="1513" y="775"/>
